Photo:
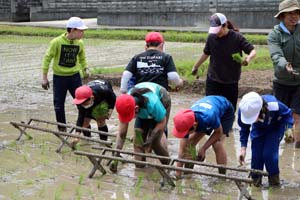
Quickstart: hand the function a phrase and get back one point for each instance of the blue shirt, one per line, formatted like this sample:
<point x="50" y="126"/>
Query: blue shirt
<point x="154" y="108"/>
<point x="208" y="112"/>
<point x="278" y="114"/>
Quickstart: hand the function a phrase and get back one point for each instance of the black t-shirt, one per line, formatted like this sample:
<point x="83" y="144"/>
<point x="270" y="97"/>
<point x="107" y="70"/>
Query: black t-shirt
<point x="222" y="67"/>
<point x="102" y="91"/>
<point x="152" y="66"/>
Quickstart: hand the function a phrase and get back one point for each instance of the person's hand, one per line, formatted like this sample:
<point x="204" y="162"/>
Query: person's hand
<point x="242" y="156"/>
<point x="45" y="84"/>
<point x="194" y="71"/>
<point x="86" y="73"/>
<point x="289" y="68"/>
<point x="201" y="156"/>
<point x="109" y="113"/>
<point x="245" y="61"/>
<point x="288" y="136"/>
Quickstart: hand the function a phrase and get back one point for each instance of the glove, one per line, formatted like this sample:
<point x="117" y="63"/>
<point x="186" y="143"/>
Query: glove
<point x="45" y="84"/>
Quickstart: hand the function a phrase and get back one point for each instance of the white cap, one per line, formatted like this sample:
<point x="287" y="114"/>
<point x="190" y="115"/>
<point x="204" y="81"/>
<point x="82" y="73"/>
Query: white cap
<point x="216" y="21"/>
<point x="76" y="22"/>
<point x="250" y="107"/>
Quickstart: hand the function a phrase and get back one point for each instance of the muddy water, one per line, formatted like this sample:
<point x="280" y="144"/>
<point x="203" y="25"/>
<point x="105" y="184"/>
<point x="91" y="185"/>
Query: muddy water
<point x="31" y="169"/>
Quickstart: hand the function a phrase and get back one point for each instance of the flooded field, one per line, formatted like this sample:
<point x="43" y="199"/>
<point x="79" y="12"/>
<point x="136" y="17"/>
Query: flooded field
<point x="31" y="169"/>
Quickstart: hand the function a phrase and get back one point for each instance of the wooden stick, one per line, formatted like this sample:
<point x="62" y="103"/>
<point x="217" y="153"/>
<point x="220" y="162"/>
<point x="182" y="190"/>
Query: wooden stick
<point x="183" y="160"/>
<point x="73" y="126"/>
<point x="61" y="133"/>
<point x="168" y="167"/>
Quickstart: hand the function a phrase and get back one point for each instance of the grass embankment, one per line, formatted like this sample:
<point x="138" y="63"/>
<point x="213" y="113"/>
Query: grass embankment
<point x="184" y="66"/>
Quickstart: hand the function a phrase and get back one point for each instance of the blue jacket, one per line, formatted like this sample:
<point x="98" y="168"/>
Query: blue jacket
<point x="278" y="115"/>
<point x="209" y="111"/>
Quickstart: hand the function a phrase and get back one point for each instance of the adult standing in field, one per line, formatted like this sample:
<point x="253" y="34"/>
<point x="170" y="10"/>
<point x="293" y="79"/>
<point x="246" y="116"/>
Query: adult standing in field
<point x="67" y="54"/>
<point x="224" y="46"/>
<point x="284" y="45"/>
<point x="211" y="115"/>
<point x="96" y="100"/>
<point x="265" y="119"/>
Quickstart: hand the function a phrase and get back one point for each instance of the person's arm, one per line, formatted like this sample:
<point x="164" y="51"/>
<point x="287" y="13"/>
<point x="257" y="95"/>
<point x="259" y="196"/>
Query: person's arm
<point x="276" y="52"/>
<point x="158" y="129"/>
<point x="124" y="81"/>
<point x="46" y="63"/>
<point x="82" y="59"/>
<point x="182" y="146"/>
<point x="175" y="78"/>
<point x="286" y="114"/>
<point x="249" y="57"/>
<point x="216" y="136"/>
<point x="121" y="136"/>
<point x="80" y="118"/>
<point x="201" y="60"/>
<point x="244" y="135"/>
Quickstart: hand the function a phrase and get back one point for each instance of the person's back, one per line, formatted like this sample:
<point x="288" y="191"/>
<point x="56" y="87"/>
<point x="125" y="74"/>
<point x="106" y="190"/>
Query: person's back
<point x="152" y="65"/>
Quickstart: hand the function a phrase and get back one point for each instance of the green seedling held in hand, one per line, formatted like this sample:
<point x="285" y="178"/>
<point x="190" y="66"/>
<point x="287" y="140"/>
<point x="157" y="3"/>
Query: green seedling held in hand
<point x="237" y="57"/>
<point x="139" y="138"/>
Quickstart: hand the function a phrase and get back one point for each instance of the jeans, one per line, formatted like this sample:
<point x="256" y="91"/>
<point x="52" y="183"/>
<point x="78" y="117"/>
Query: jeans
<point x="62" y="84"/>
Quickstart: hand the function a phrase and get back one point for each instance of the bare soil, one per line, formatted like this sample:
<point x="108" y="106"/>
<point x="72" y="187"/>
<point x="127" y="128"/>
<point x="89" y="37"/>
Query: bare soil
<point x="258" y="81"/>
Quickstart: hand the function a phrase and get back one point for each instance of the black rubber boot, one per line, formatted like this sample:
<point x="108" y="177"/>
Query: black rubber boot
<point x="62" y="128"/>
<point x="257" y="181"/>
<point x="274" y="180"/>
<point x="222" y="170"/>
<point x="104" y="129"/>
<point x="87" y="133"/>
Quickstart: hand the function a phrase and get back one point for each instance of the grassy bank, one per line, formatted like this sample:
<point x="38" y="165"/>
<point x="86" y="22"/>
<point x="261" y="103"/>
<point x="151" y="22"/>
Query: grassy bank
<point x="172" y="36"/>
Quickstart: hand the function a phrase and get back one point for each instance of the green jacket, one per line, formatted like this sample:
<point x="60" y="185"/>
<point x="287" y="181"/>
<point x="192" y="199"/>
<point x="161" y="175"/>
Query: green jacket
<point x="68" y="56"/>
<point x="285" y="48"/>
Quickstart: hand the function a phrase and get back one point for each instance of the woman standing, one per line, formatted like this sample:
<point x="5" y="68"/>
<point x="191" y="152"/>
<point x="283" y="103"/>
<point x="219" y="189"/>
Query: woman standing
<point x="224" y="46"/>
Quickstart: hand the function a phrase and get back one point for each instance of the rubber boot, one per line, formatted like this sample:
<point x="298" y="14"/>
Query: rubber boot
<point x="257" y="181"/>
<point x="274" y="180"/>
<point x="222" y="171"/>
<point x="87" y="133"/>
<point x="104" y="129"/>
<point x="62" y="128"/>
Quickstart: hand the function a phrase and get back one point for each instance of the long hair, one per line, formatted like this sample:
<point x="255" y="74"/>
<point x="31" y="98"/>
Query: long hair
<point x="137" y="93"/>
<point x="231" y="26"/>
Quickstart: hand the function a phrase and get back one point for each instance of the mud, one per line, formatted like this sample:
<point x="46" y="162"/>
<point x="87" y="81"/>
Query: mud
<point x="31" y="169"/>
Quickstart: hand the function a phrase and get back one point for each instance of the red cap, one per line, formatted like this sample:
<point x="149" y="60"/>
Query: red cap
<point x="125" y="106"/>
<point x="82" y="93"/>
<point x="154" y="37"/>
<point x="183" y="121"/>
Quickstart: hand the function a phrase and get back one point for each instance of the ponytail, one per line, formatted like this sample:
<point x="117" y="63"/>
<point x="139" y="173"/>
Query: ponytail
<point x="231" y="26"/>
<point x="137" y="93"/>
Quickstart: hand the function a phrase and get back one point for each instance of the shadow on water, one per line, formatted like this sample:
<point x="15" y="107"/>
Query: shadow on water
<point x="31" y="169"/>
